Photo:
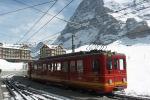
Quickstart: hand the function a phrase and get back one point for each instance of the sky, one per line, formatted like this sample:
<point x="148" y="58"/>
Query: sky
<point x="13" y="26"/>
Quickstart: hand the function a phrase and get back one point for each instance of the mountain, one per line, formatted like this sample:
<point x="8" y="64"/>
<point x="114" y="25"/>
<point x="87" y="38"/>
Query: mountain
<point x="105" y="21"/>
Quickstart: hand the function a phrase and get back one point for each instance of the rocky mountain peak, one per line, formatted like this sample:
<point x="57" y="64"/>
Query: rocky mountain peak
<point x="101" y="23"/>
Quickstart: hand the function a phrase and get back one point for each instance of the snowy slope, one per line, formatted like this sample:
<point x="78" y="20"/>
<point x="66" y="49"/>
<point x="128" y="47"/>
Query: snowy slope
<point x="138" y="63"/>
<point x="8" y="66"/>
<point x="138" y="9"/>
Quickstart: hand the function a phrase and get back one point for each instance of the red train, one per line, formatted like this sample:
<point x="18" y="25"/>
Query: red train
<point x="101" y="71"/>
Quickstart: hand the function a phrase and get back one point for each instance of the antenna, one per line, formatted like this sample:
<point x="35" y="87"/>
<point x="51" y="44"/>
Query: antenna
<point x="73" y="46"/>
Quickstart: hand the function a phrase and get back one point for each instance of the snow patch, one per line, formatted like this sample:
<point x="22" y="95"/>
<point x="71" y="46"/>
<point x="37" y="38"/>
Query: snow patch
<point x="8" y="66"/>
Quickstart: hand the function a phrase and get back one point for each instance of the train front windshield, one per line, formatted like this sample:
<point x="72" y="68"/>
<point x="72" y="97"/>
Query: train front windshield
<point x="116" y="63"/>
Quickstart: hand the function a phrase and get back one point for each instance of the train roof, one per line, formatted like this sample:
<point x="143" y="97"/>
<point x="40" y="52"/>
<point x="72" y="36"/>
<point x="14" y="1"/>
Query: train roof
<point x="83" y="53"/>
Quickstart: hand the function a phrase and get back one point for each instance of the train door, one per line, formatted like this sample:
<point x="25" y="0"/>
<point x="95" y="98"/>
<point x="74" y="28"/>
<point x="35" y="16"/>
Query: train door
<point x="119" y="70"/>
<point x="73" y="70"/>
<point x="65" y="70"/>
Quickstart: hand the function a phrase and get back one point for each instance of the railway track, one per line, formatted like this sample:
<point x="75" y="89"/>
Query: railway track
<point x="22" y="92"/>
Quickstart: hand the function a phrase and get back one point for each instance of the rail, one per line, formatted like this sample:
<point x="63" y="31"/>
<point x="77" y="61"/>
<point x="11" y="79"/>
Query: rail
<point x="22" y="92"/>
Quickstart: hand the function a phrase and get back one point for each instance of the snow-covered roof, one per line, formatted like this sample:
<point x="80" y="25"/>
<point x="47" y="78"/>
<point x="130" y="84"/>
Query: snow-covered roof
<point x="53" y="46"/>
<point x="12" y="46"/>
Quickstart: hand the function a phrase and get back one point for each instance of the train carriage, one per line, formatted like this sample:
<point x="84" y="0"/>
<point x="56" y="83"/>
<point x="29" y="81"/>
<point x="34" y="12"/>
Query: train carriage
<point x="101" y="71"/>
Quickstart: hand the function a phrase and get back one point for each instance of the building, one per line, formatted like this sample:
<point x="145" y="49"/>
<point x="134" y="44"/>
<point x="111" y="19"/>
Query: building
<point x="51" y="50"/>
<point x="14" y="52"/>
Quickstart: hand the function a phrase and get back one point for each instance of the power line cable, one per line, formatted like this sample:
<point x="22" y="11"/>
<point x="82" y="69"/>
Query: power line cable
<point x="67" y="21"/>
<point x="76" y="22"/>
<point x="52" y="35"/>
<point x="52" y="38"/>
<point x="36" y="21"/>
<point x="49" y="20"/>
<point x="2" y="14"/>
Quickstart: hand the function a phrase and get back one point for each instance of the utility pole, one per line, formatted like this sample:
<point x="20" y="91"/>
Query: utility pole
<point x="73" y="46"/>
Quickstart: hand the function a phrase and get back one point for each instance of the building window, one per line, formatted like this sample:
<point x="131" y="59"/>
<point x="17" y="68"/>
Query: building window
<point x="79" y="66"/>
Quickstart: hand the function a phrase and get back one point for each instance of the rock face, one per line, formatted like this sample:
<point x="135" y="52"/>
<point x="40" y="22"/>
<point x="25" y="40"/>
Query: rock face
<point x="104" y="21"/>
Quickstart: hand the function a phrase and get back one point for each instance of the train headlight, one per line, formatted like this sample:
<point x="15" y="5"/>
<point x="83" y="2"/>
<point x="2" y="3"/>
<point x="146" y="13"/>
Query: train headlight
<point x="124" y="80"/>
<point x="110" y="81"/>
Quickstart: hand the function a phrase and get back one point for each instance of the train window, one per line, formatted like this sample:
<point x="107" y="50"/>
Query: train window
<point x="49" y="67"/>
<point x="35" y="66"/>
<point x="52" y="67"/>
<point x="116" y="63"/>
<point x="44" y="67"/>
<point x="65" y="66"/>
<point x="121" y="63"/>
<point x="109" y="64"/>
<point x="96" y="65"/>
<point x="58" y="66"/>
<point x="55" y="66"/>
<point x="73" y="66"/>
<point x="39" y="66"/>
<point x="80" y="66"/>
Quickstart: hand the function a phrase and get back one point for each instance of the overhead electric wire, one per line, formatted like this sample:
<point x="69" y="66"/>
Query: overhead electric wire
<point x="5" y="13"/>
<point x="36" y="21"/>
<point x="67" y="21"/>
<point x="49" y="20"/>
<point x="53" y="36"/>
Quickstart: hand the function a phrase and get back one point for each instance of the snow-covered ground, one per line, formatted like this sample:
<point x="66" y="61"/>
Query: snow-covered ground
<point x="8" y="66"/>
<point x="138" y="66"/>
<point x="138" y="63"/>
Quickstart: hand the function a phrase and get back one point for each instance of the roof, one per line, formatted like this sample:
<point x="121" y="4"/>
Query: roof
<point x="52" y="46"/>
<point x="83" y="53"/>
<point x="12" y="46"/>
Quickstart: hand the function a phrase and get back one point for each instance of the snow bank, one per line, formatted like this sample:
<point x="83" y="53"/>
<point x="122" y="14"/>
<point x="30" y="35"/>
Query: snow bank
<point x="138" y="66"/>
<point x="8" y="66"/>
